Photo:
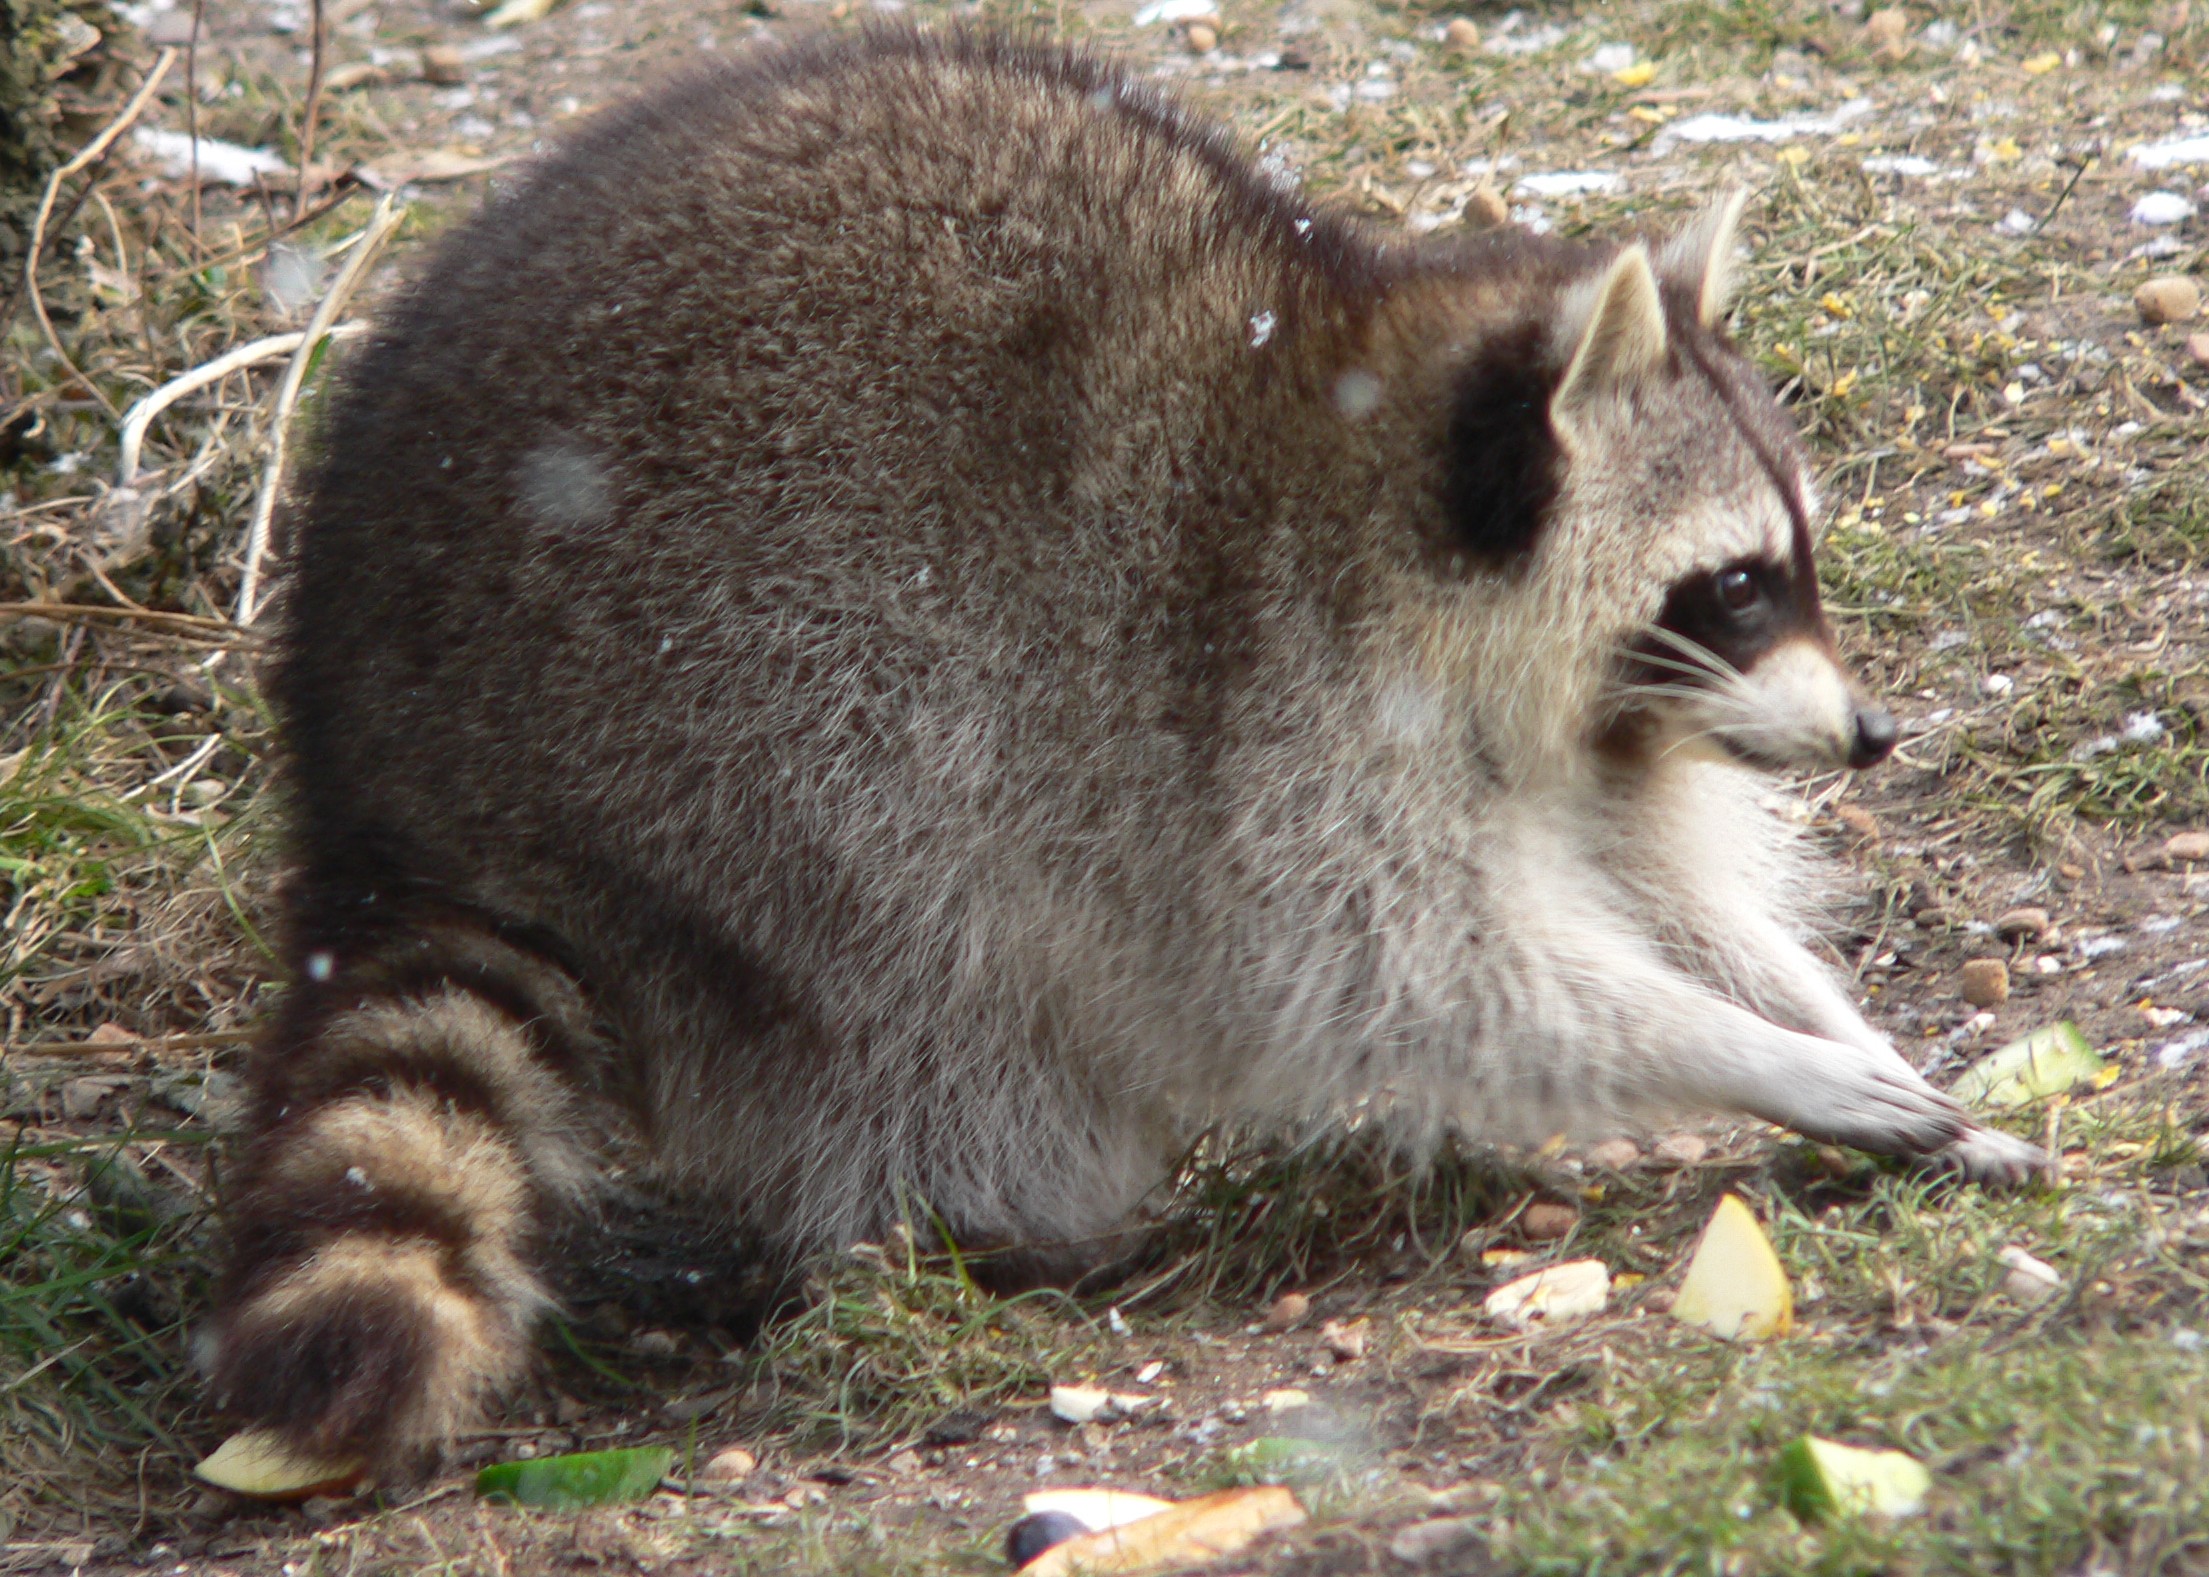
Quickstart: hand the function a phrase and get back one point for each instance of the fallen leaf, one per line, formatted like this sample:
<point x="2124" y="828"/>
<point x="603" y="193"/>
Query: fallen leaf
<point x="586" y="1478"/>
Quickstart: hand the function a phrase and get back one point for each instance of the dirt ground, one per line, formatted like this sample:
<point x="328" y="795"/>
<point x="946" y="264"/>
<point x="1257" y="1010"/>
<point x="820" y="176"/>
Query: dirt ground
<point x="1950" y="225"/>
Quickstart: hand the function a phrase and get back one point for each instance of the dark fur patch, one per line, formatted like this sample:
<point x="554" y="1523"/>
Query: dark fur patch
<point x="1696" y="610"/>
<point x="1503" y="466"/>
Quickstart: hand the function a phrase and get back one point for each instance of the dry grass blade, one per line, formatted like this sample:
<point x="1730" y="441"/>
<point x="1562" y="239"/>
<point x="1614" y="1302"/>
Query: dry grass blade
<point x="364" y="253"/>
<point x="88" y="155"/>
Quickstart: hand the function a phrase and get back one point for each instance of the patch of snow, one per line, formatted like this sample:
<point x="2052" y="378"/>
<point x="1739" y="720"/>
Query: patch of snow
<point x="2162" y="208"/>
<point x="1175" y="11"/>
<point x="1609" y="58"/>
<point x="1743" y="128"/>
<point x="1905" y="164"/>
<point x="2142" y="728"/>
<point x="224" y="163"/>
<point x="2175" y="1054"/>
<point x="2163" y="155"/>
<point x="1569" y="183"/>
<point x="2015" y="222"/>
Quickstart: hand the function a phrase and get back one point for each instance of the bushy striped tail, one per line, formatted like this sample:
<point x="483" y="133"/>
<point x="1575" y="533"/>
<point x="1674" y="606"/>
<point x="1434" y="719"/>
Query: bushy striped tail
<point x="414" y="1132"/>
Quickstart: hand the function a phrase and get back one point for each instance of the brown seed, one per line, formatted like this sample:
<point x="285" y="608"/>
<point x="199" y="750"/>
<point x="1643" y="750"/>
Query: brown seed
<point x="444" y="65"/>
<point x="730" y="1467"/>
<point x="1682" y="1149"/>
<point x="1888" y="25"/>
<point x="2026" y="922"/>
<point x="1202" y="38"/>
<point x="2197" y="347"/>
<point x="1288" y="1311"/>
<point x="2188" y="846"/>
<point x="2168" y="298"/>
<point x="1486" y="209"/>
<point x="1613" y="1155"/>
<point x="1461" y="34"/>
<point x="1985" y="982"/>
<point x="1545" y="1221"/>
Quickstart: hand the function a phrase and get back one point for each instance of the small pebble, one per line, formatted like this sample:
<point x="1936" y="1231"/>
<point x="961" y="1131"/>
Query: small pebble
<point x="1288" y="1312"/>
<point x="1461" y="34"/>
<point x="2168" y="298"/>
<point x="2021" y="924"/>
<point x="1433" y="1539"/>
<point x="904" y="1463"/>
<point x="2188" y="846"/>
<point x="444" y="65"/>
<point x="1202" y="38"/>
<point x="1546" y="1221"/>
<point x="1682" y="1149"/>
<point x="1613" y="1155"/>
<point x="1985" y="982"/>
<point x="2029" y="1280"/>
<point x="2197" y="348"/>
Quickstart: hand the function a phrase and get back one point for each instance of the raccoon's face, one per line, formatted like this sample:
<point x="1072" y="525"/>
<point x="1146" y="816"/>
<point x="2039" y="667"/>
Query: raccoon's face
<point x="1685" y="500"/>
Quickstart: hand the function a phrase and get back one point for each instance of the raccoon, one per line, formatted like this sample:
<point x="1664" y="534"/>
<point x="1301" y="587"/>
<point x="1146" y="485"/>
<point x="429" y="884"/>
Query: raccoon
<point x="905" y="623"/>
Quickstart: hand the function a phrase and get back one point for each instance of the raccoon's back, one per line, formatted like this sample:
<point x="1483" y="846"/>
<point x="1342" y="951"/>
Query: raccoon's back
<point x="844" y="471"/>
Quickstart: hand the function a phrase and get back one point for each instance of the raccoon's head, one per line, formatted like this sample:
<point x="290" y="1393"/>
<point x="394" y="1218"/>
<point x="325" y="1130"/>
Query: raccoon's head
<point x="1681" y="513"/>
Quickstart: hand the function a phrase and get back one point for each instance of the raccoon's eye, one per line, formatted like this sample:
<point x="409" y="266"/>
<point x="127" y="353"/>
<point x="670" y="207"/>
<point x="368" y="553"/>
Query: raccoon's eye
<point x="1737" y="589"/>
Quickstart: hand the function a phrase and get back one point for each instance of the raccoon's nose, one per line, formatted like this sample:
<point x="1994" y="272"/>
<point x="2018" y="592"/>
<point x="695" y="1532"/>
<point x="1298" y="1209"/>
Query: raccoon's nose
<point x="1875" y="737"/>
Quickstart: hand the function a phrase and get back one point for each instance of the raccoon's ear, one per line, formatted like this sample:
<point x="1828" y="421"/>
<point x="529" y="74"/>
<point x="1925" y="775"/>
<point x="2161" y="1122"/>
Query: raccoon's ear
<point x="1616" y="324"/>
<point x="1699" y="259"/>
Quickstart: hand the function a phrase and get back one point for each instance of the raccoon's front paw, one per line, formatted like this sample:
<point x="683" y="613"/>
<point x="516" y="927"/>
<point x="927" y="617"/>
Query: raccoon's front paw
<point x="1984" y="1155"/>
<point x="363" y="1353"/>
<point x="1880" y="1104"/>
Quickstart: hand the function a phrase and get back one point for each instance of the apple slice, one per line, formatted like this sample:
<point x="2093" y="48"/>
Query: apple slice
<point x="1735" y="1286"/>
<point x="1823" y="1478"/>
<point x="1188" y="1533"/>
<point x="2047" y="1062"/>
<point x="254" y="1462"/>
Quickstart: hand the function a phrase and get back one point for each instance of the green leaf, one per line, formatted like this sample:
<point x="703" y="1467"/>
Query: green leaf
<point x="569" y="1483"/>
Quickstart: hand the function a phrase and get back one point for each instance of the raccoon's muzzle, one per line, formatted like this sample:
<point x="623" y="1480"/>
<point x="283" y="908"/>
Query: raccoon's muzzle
<point x="1875" y="737"/>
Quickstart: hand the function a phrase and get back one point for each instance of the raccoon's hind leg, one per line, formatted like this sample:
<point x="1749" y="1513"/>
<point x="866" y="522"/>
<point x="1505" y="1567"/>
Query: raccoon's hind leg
<point x="412" y="1131"/>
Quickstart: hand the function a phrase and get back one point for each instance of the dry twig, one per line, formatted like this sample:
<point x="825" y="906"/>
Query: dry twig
<point x="371" y="243"/>
<point x="89" y="154"/>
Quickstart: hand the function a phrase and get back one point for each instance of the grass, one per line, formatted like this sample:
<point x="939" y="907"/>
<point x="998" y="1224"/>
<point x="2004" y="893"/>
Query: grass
<point x="2013" y="471"/>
